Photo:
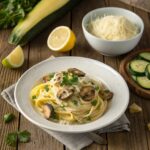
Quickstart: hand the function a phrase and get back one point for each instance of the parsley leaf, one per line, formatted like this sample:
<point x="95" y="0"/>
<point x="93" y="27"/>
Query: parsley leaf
<point x="33" y="97"/>
<point x="75" y="102"/>
<point x="8" y="117"/>
<point x="97" y="88"/>
<point x="46" y="88"/>
<point x="69" y="79"/>
<point x="24" y="136"/>
<point x="12" y="11"/>
<point x="51" y="75"/>
<point x="11" y="139"/>
<point x="94" y="102"/>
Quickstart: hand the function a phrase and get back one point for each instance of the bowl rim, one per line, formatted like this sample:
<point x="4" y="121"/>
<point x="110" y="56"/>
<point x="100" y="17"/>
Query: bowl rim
<point x="113" y="8"/>
<point x="71" y="131"/>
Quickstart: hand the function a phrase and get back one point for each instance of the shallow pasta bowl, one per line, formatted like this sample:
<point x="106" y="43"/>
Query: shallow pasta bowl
<point x="95" y="69"/>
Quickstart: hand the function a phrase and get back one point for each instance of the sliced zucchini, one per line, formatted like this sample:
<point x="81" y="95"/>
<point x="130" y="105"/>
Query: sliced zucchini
<point x="145" y="56"/>
<point x="143" y="82"/>
<point x="133" y="77"/>
<point x="147" y="71"/>
<point x="137" y="67"/>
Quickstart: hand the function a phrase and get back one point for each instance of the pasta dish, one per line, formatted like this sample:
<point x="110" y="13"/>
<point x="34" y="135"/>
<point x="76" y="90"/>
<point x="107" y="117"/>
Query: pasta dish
<point x="70" y="97"/>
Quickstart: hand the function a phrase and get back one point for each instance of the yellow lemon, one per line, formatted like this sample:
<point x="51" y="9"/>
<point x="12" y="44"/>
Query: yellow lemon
<point x="15" y="59"/>
<point x="61" y="39"/>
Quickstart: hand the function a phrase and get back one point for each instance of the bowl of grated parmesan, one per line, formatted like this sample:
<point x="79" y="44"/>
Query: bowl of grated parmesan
<point x="112" y="31"/>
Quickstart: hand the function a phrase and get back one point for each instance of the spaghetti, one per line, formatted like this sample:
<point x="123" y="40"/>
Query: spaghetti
<point x="70" y="97"/>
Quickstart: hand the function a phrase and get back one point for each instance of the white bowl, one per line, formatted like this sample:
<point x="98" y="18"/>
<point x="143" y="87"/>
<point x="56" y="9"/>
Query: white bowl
<point x="112" y="48"/>
<point x="93" y="68"/>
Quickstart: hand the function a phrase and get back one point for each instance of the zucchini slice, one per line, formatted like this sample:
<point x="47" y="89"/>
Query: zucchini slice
<point x="137" y="67"/>
<point x="147" y="71"/>
<point x="133" y="77"/>
<point x="145" y="56"/>
<point x="143" y="82"/>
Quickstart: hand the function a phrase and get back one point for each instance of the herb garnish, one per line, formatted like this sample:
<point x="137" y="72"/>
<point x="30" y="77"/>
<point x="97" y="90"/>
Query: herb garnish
<point x="12" y="11"/>
<point x="51" y="75"/>
<point x="46" y="88"/>
<point x="75" y="102"/>
<point x="24" y="136"/>
<point x="94" y="102"/>
<point x="34" y="97"/>
<point x="8" y="117"/>
<point x="69" y="79"/>
<point x="13" y="137"/>
<point x="97" y="88"/>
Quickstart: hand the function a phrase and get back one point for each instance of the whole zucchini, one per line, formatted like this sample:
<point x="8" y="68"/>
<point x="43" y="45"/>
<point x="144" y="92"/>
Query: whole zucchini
<point x="42" y="15"/>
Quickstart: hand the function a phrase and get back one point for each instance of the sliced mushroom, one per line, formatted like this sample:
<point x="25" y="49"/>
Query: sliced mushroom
<point x="46" y="78"/>
<point x="106" y="94"/>
<point x="48" y="110"/>
<point x="87" y="93"/>
<point x="65" y="93"/>
<point x="76" y="72"/>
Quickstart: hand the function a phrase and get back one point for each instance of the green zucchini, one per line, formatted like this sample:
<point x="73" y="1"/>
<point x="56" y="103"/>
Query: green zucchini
<point x="147" y="71"/>
<point x="42" y="15"/>
<point x="144" y="82"/>
<point x="145" y="56"/>
<point x="133" y="77"/>
<point x="137" y="67"/>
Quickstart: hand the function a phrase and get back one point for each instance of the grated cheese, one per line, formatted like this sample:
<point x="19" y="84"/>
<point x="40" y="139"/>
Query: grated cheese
<point x="113" y="28"/>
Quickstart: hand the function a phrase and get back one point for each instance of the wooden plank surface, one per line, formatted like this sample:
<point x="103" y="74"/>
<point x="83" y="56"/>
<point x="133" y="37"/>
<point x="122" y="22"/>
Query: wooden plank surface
<point x="37" y="50"/>
<point x="142" y="4"/>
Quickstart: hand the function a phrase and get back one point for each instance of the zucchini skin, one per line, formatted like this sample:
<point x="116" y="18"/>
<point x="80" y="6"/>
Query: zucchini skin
<point x="147" y="71"/>
<point x="45" y="22"/>
<point x="143" y="57"/>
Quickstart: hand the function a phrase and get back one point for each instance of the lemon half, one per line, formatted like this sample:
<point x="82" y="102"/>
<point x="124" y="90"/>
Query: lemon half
<point x="61" y="39"/>
<point x="15" y="59"/>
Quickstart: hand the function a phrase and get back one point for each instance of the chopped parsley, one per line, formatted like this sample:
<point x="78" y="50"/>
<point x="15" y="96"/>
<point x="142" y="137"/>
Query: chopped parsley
<point x="8" y="117"/>
<point x="13" y="137"/>
<point x="97" y="88"/>
<point x="88" y="118"/>
<point x="94" y="102"/>
<point x="24" y="136"/>
<point x="33" y="97"/>
<point x="51" y="75"/>
<point x="46" y="88"/>
<point x="69" y="79"/>
<point x="55" y="116"/>
<point x="75" y="102"/>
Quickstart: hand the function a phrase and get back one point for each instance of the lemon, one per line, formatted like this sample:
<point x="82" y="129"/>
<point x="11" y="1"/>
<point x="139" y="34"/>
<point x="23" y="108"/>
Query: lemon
<point x="15" y="59"/>
<point x="61" y="39"/>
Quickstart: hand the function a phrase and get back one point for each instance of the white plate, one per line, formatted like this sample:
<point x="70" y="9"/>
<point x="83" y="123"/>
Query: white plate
<point x="94" y="68"/>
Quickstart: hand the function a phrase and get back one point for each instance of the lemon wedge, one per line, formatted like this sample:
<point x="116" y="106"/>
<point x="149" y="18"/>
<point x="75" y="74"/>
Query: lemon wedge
<point x="61" y="39"/>
<point x="15" y="59"/>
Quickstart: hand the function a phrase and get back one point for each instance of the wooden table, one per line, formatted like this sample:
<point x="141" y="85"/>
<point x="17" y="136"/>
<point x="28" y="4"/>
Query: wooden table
<point x="37" y="50"/>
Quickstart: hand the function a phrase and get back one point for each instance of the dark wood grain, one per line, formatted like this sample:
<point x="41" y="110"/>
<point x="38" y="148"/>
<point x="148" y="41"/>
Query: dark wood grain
<point x="142" y="4"/>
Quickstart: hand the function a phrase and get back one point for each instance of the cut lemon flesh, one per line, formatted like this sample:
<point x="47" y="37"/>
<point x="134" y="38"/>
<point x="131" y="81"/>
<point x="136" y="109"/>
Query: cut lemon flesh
<point x="15" y="59"/>
<point x="61" y="39"/>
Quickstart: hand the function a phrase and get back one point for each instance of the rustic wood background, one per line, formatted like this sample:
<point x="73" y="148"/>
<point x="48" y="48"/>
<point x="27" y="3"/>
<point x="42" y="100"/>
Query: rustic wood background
<point x="142" y="4"/>
<point x="37" y="50"/>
